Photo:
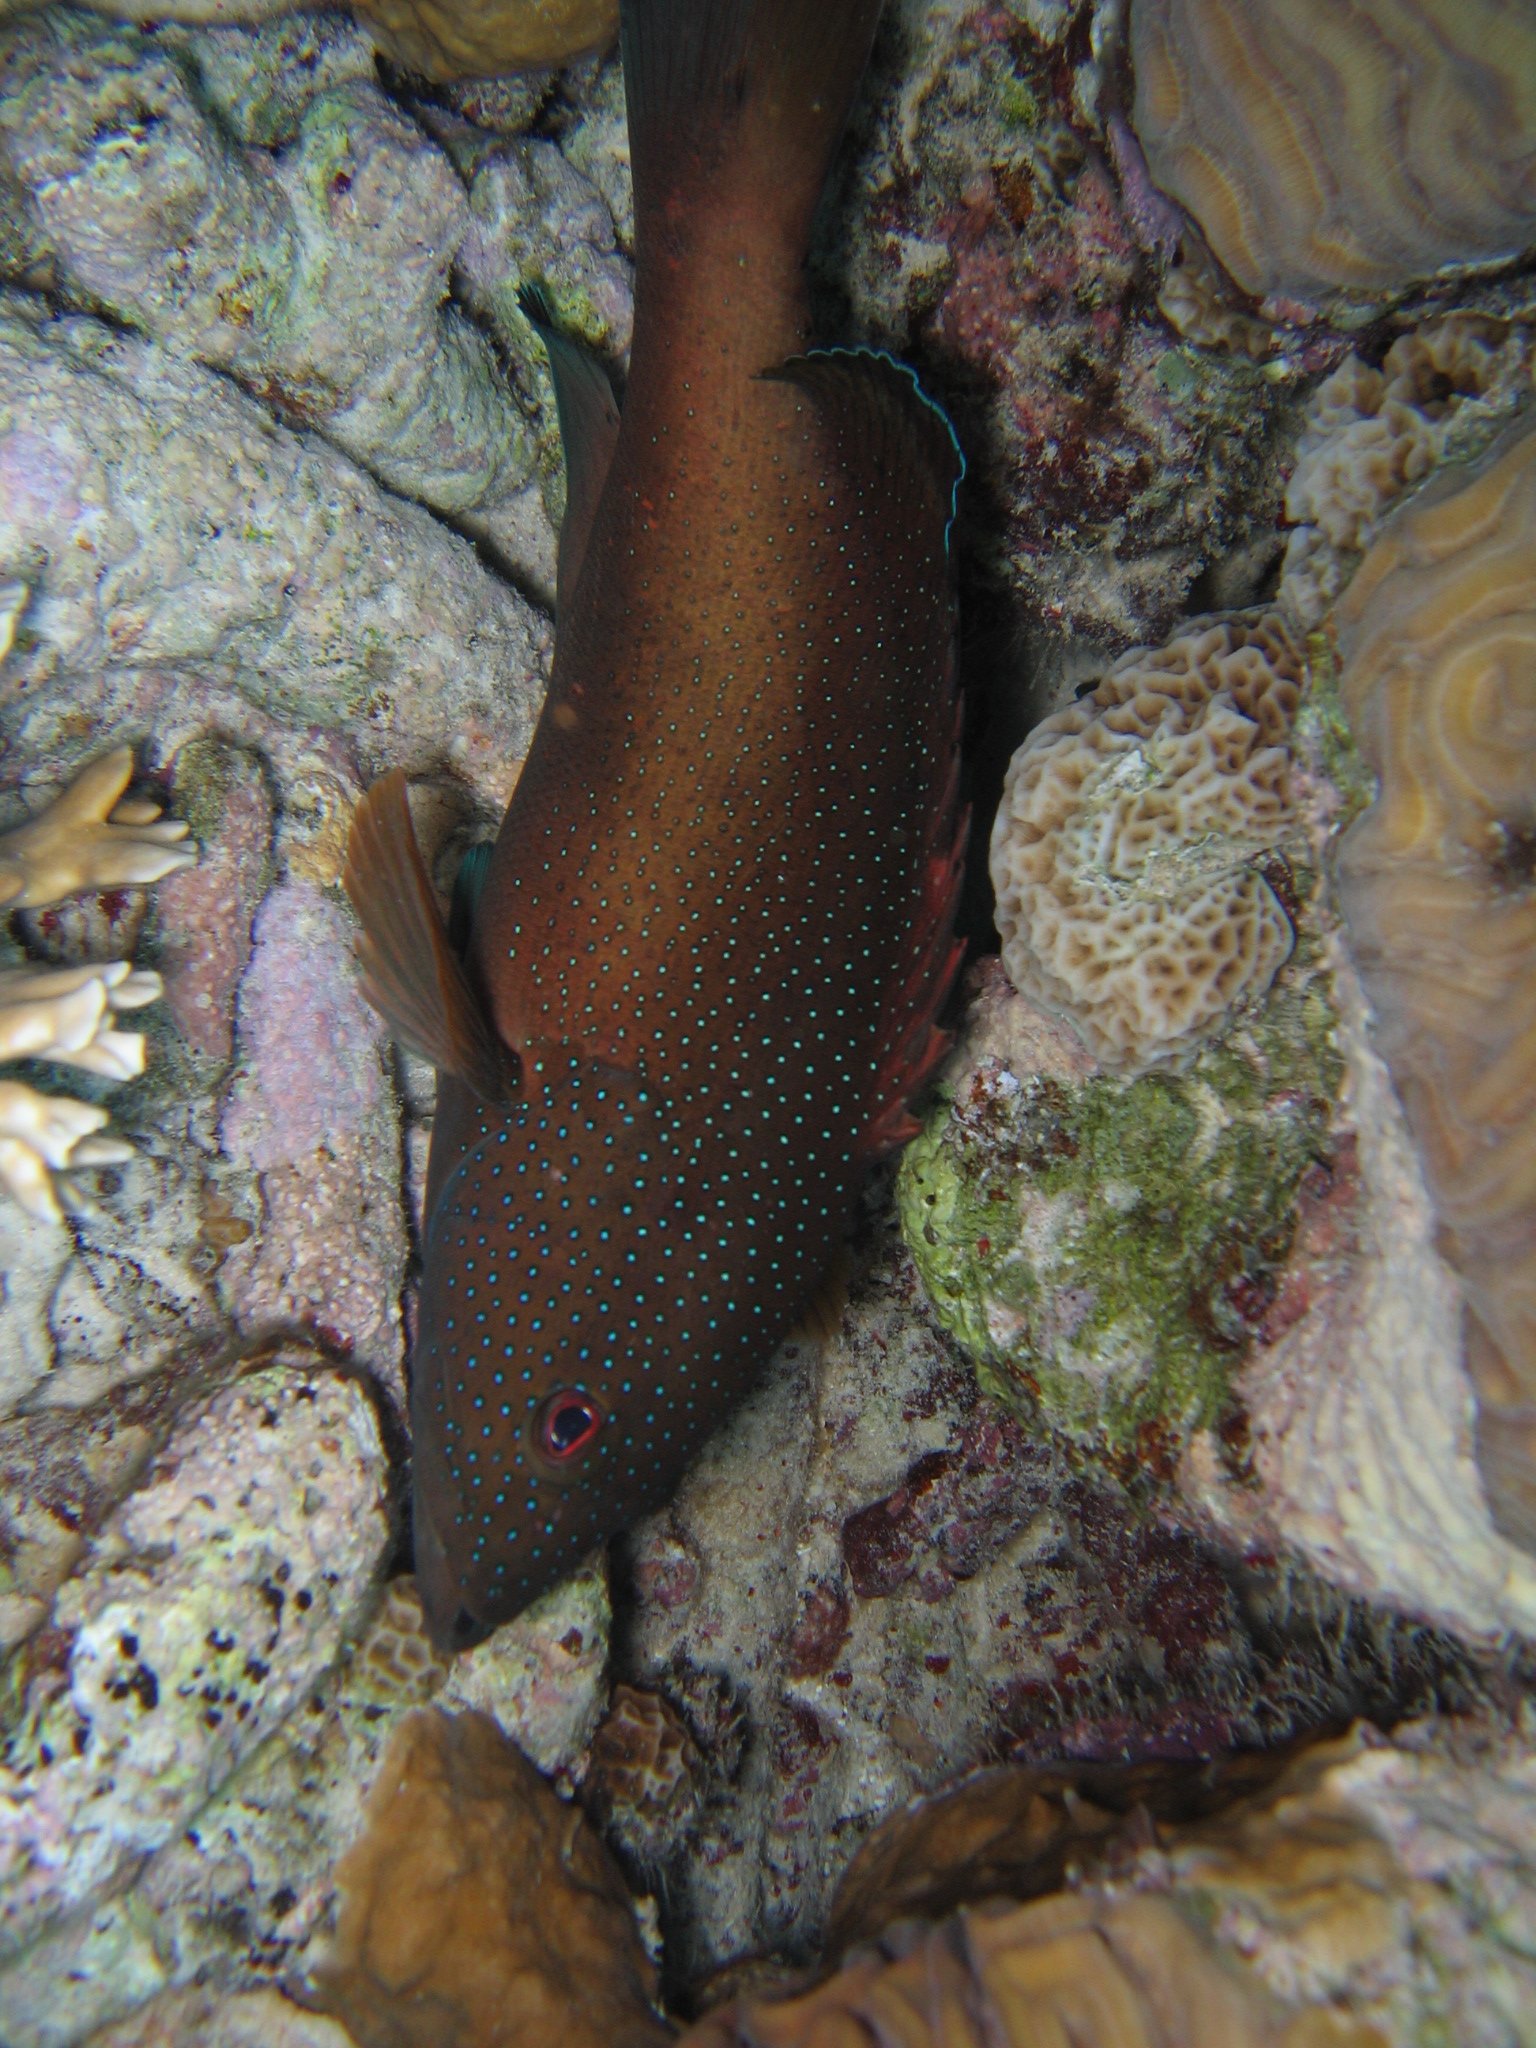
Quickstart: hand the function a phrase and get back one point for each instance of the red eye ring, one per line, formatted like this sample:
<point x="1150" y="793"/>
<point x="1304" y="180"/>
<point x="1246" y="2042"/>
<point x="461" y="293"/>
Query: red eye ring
<point x="567" y="1422"/>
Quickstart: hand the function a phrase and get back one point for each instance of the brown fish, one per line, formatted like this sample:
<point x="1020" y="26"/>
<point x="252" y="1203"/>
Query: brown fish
<point x="700" y="980"/>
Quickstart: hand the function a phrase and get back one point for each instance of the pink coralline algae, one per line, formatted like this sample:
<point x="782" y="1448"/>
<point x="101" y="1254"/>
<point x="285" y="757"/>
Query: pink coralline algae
<point x="205" y="912"/>
<point x="310" y="1067"/>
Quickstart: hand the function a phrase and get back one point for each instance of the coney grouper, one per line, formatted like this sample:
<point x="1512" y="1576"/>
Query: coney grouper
<point x="686" y="1002"/>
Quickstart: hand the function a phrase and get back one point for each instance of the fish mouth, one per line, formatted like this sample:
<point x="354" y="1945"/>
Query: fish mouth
<point x="451" y="1625"/>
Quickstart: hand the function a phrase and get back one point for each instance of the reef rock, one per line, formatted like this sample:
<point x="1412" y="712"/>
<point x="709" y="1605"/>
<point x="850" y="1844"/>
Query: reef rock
<point x="205" y="1606"/>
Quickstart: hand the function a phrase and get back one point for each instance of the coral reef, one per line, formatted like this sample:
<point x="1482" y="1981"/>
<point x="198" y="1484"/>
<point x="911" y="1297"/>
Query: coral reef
<point x="1126" y="852"/>
<point x="476" y="1908"/>
<point x="1437" y="633"/>
<point x="984" y="230"/>
<point x="483" y="38"/>
<point x="1381" y="1892"/>
<point x="271" y="427"/>
<point x="1326" y="151"/>
<point x="874" y="1579"/>
<point x="1442" y="392"/>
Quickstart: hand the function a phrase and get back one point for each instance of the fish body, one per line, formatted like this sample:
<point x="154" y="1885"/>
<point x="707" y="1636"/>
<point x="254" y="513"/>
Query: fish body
<point x="702" y="974"/>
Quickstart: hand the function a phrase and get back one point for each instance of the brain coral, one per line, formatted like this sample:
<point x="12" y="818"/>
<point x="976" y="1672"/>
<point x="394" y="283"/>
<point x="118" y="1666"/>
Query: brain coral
<point x="1438" y="883"/>
<point x="1125" y="847"/>
<point x="1325" y="148"/>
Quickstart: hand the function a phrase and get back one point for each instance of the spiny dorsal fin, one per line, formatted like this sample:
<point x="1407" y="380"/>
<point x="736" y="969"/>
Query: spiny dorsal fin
<point x="411" y="974"/>
<point x="589" y="426"/>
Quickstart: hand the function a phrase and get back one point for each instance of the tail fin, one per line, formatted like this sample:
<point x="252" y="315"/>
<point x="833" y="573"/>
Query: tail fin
<point x="722" y="91"/>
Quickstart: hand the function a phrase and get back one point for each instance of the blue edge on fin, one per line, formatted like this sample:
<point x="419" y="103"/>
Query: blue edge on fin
<point x="881" y="355"/>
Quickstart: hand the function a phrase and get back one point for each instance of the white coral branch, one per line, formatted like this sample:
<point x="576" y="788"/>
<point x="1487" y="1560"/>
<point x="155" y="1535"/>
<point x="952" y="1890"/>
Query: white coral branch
<point x="46" y="1135"/>
<point x="65" y="1013"/>
<point x="87" y="839"/>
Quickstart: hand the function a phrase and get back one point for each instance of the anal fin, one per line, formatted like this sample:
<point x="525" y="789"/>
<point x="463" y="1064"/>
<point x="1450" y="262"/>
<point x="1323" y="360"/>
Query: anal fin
<point x="411" y="973"/>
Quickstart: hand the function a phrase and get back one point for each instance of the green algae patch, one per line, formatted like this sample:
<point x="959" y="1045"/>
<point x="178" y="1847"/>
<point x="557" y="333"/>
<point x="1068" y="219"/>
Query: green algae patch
<point x="1106" y="1249"/>
<point x="1322" y="736"/>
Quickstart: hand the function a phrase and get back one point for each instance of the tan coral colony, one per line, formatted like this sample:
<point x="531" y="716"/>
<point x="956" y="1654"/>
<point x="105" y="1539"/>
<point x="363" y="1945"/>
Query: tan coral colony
<point x="1438" y="884"/>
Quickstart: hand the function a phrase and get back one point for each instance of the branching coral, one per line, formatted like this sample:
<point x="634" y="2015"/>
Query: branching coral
<point x="1125" y="850"/>
<point x="90" y="838"/>
<point x="1438" y="881"/>
<point x="87" y="838"/>
<point x="1325" y="148"/>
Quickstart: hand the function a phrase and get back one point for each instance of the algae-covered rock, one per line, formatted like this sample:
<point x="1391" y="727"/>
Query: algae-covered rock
<point x="1104" y="1248"/>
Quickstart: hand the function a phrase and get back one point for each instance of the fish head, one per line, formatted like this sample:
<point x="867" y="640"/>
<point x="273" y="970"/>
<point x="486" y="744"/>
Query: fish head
<point x="555" y="1390"/>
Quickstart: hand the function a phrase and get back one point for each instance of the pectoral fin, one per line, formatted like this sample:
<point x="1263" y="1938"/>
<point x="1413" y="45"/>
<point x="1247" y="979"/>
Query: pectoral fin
<point x="411" y="973"/>
<point x="589" y="426"/>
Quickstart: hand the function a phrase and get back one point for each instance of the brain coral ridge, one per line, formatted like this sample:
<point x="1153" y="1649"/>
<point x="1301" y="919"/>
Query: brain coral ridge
<point x="1326" y="149"/>
<point x="1125" y="847"/>
<point x="1438" y="884"/>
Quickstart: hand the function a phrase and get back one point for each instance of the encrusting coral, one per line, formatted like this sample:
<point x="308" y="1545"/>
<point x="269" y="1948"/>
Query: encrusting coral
<point x="1378" y="1893"/>
<point x="1127" y="846"/>
<point x="87" y="838"/>
<point x="478" y="1909"/>
<point x="1438" y="883"/>
<point x="1327" y="149"/>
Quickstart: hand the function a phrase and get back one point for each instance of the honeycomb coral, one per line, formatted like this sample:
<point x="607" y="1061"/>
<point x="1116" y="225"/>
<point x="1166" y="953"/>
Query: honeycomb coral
<point x="484" y="38"/>
<point x="1325" y="148"/>
<point x="1125" y="847"/>
<point x="1442" y="391"/>
<point x="1438" y="884"/>
<point x="644" y="1763"/>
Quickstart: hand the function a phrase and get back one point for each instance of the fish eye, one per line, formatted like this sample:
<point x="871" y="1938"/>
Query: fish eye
<point x="567" y="1423"/>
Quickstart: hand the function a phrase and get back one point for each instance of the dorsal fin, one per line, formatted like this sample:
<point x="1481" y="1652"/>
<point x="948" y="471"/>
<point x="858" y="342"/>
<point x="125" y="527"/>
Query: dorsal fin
<point x="411" y="974"/>
<point x="904" y="436"/>
<point x="589" y="426"/>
